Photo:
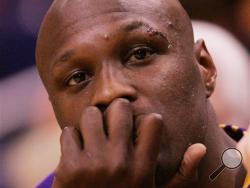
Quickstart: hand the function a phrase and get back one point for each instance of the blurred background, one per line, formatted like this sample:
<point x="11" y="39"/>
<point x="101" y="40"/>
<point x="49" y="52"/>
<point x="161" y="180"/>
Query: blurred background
<point x="29" y="134"/>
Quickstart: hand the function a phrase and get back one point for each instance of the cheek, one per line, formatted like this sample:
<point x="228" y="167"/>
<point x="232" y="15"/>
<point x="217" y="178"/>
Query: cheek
<point x="68" y="109"/>
<point x="175" y="90"/>
<point x="182" y="97"/>
<point x="178" y="94"/>
<point x="170" y="82"/>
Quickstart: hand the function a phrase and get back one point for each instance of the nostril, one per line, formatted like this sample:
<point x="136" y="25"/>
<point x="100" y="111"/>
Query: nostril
<point x="130" y="98"/>
<point x="102" y="107"/>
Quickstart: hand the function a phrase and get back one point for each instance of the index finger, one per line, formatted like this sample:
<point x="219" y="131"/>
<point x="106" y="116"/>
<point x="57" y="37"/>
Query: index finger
<point x="70" y="141"/>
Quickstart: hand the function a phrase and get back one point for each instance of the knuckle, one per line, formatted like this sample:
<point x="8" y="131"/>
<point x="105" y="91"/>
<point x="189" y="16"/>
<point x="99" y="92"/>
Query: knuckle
<point x="58" y="173"/>
<point x="62" y="173"/>
<point x="140" y="178"/>
<point x="142" y="171"/>
<point x="118" y="167"/>
<point x="97" y="168"/>
<point x="68" y="170"/>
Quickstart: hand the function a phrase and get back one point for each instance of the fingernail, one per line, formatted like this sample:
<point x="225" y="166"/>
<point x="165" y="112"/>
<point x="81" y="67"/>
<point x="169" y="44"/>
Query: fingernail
<point x="65" y="128"/>
<point x="158" y="115"/>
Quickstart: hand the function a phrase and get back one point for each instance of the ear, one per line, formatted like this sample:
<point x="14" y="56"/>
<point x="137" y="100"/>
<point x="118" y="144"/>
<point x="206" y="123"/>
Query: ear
<point x="206" y="66"/>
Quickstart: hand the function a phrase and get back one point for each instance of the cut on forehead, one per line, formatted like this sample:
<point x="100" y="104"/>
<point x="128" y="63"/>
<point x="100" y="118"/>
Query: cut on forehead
<point x="63" y="14"/>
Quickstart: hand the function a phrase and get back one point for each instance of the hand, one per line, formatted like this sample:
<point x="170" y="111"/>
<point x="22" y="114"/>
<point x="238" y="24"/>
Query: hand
<point x="91" y="158"/>
<point x="244" y="147"/>
<point x="187" y="176"/>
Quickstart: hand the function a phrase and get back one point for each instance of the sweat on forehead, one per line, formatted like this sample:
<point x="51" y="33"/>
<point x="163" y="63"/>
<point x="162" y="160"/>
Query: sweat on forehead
<point x="66" y="15"/>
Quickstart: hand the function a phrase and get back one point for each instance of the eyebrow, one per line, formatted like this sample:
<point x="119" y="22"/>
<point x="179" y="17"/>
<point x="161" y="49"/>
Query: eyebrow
<point x="127" y="28"/>
<point x="64" y="57"/>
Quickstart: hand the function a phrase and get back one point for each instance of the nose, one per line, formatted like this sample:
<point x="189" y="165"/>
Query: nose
<point x="111" y="84"/>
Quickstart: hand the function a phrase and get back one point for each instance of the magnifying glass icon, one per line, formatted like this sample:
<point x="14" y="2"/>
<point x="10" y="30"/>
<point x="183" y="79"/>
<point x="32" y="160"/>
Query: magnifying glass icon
<point x="231" y="158"/>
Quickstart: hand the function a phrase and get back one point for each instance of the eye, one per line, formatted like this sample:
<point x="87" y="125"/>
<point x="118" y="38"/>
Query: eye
<point x="78" y="77"/>
<point x="140" y="53"/>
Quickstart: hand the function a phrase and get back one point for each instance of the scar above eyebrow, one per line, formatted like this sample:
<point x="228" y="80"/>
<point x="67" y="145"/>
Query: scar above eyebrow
<point x="65" y="56"/>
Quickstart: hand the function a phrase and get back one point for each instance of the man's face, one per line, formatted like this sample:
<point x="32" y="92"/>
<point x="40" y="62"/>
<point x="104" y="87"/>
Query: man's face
<point x="132" y="54"/>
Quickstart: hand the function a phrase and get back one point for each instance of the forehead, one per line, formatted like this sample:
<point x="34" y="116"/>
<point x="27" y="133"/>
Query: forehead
<point x="113" y="34"/>
<point x="90" y="8"/>
<point x="70" y="14"/>
<point x="103" y="28"/>
<point x="67" y="19"/>
<point x="64" y="13"/>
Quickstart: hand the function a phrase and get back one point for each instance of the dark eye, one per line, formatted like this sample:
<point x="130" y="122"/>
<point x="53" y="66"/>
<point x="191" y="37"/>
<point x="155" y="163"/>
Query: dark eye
<point x="78" y="78"/>
<point x="141" y="53"/>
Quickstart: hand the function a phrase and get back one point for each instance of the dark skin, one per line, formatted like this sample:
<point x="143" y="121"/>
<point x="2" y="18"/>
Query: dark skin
<point x="130" y="91"/>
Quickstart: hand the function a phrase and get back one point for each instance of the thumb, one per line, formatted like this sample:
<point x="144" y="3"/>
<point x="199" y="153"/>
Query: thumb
<point x="187" y="175"/>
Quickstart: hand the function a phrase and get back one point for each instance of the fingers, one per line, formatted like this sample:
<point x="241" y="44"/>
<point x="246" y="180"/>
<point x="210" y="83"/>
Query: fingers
<point x="119" y="120"/>
<point x="148" y="136"/>
<point x="149" y="128"/>
<point x="188" y="170"/>
<point x="191" y="160"/>
<point x="91" y="127"/>
<point x="70" y="137"/>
